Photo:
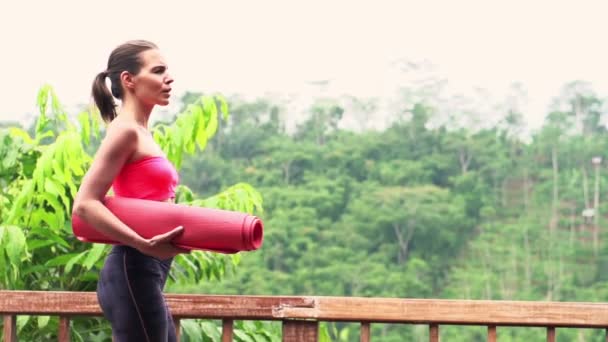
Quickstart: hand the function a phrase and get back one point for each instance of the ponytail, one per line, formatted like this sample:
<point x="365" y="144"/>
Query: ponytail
<point x="103" y="98"/>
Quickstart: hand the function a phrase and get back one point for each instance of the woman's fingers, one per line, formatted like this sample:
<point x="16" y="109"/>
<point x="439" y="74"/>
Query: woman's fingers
<point x="160" y="246"/>
<point x="168" y="236"/>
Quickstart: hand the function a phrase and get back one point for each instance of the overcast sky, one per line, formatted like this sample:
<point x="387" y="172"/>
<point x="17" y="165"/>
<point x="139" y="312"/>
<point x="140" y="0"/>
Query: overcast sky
<point x="252" y="47"/>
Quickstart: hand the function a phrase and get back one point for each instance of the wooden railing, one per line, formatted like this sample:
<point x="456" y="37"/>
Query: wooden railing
<point x="300" y="316"/>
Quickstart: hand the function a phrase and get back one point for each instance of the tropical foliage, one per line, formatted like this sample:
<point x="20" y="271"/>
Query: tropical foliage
<point x="40" y="175"/>
<point x="444" y="200"/>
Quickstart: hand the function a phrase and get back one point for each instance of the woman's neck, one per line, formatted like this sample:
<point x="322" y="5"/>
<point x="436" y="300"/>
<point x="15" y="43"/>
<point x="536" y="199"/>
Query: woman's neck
<point x="136" y="111"/>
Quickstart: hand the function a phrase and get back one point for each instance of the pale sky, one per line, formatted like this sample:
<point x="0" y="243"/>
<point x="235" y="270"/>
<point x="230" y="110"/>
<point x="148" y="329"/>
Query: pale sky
<point x="254" y="47"/>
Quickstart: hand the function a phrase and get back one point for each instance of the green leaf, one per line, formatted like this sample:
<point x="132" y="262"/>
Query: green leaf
<point x="85" y="127"/>
<point x="192" y="330"/>
<point x="42" y="103"/>
<point x="61" y="260"/>
<point x="58" y="171"/>
<point x="73" y="189"/>
<point x="211" y="330"/>
<point x="324" y="333"/>
<point x="210" y="108"/>
<point x="52" y="201"/>
<point x="15" y="245"/>
<point x="22" y="321"/>
<point x="73" y="261"/>
<point x="43" y="233"/>
<point x="249" y="326"/>
<point x="47" y="134"/>
<point x="19" y="208"/>
<point x="242" y="336"/>
<point x="35" y="244"/>
<point x="54" y="188"/>
<point x="18" y="132"/>
<point x="223" y="106"/>
<point x="201" y="133"/>
<point x="43" y="321"/>
<point x="29" y="269"/>
<point x="3" y="263"/>
<point x="93" y="255"/>
<point x="189" y="260"/>
<point x="344" y="334"/>
<point x="76" y="166"/>
<point x="236" y="259"/>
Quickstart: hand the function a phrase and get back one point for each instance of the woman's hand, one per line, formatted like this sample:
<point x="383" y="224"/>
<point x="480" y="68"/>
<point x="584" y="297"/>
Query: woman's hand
<point x="160" y="246"/>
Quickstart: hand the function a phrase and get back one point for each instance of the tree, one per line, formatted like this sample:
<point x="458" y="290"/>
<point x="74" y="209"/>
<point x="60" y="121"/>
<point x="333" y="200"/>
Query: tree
<point x="325" y="116"/>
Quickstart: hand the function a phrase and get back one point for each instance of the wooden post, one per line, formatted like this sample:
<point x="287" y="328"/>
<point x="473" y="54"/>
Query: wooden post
<point x="300" y="331"/>
<point x="434" y="333"/>
<point x="365" y="333"/>
<point x="550" y="334"/>
<point x="10" y="328"/>
<point x="64" y="329"/>
<point x="491" y="333"/>
<point x="227" y="326"/>
<point x="177" y="325"/>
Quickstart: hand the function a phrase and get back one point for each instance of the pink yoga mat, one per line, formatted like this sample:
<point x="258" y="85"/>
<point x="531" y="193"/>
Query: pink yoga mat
<point x="215" y="230"/>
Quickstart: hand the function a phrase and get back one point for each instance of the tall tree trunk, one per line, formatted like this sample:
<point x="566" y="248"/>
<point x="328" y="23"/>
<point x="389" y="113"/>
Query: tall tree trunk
<point x="586" y="188"/>
<point x="553" y="222"/>
<point x="514" y="274"/>
<point x="485" y="260"/>
<point x="286" y="171"/>
<point x="584" y="229"/>
<point x="465" y="158"/>
<point x="526" y="186"/>
<point x="528" y="262"/>
<point x="404" y="241"/>
<point x="560" y="276"/>
<point x="555" y="203"/>
<point x="596" y="216"/>
<point x="572" y="226"/>
<point x="578" y="116"/>
<point x="503" y="190"/>
<point x="580" y="336"/>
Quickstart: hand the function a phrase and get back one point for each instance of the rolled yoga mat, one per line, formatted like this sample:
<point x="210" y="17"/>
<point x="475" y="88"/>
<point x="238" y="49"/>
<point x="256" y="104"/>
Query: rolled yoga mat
<point x="209" y="229"/>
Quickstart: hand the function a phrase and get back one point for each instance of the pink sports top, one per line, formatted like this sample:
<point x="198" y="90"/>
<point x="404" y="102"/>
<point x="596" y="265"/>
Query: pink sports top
<point x="152" y="178"/>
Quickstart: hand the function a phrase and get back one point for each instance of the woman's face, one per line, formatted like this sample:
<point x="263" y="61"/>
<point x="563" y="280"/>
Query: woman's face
<point x="152" y="85"/>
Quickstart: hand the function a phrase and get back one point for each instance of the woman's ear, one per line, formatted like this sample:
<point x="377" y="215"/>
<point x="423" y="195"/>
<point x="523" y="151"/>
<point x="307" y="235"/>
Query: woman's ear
<point x="127" y="80"/>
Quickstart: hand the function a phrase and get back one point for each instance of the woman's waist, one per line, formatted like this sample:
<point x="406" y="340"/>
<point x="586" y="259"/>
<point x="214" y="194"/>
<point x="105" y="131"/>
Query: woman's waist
<point x="121" y="250"/>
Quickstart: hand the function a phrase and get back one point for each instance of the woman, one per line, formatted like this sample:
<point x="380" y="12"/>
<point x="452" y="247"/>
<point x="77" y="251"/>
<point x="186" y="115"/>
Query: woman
<point x="133" y="277"/>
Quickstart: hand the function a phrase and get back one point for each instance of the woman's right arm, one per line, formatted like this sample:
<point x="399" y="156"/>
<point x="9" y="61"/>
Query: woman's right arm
<point x="116" y="149"/>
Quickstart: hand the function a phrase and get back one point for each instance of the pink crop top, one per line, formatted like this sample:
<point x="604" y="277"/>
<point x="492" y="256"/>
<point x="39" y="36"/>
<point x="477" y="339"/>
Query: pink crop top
<point x="152" y="178"/>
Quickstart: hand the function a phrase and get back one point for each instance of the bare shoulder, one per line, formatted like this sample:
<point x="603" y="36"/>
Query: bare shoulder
<point x="118" y="145"/>
<point x="121" y="133"/>
<point x="120" y="142"/>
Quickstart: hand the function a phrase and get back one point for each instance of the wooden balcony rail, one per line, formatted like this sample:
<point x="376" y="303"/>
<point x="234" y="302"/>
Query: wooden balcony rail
<point x="300" y="316"/>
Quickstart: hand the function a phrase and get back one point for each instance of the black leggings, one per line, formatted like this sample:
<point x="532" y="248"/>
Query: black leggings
<point x="130" y="293"/>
